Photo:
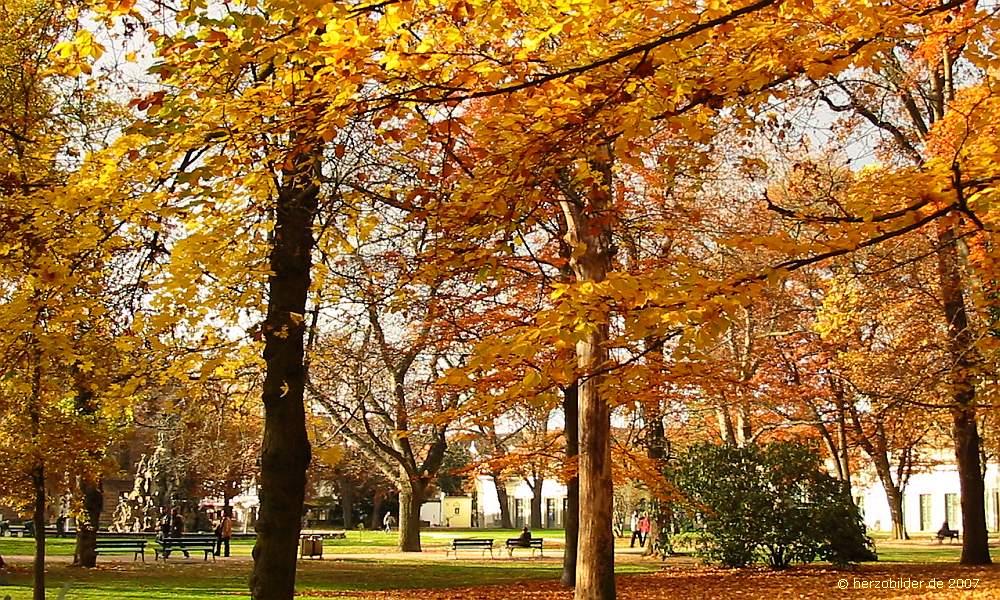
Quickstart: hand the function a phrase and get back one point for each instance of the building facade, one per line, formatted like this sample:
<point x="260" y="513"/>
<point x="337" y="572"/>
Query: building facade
<point x="519" y="496"/>
<point x="481" y="508"/>
<point x="930" y="498"/>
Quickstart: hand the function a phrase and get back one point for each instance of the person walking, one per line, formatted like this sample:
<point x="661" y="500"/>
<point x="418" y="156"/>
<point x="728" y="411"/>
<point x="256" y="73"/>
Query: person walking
<point x="388" y="522"/>
<point x="164" y="525"/>
<point x="634" y="528"/>
<point x="223" y="534"/>
<point x="644" y="526"/>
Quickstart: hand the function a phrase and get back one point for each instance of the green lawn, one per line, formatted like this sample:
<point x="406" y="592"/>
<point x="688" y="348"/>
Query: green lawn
<point x="194" y="580"/>
<point x="357" y="542"/>
<point x="920" y="551"/>
<point x="197" y="580"/>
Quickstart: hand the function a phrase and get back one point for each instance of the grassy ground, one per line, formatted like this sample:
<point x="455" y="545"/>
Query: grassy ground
<point x="357" y="542"/>
<point x="342" y="575"/>
<point x="920" y="551"/>
<point x="195" y="580"/>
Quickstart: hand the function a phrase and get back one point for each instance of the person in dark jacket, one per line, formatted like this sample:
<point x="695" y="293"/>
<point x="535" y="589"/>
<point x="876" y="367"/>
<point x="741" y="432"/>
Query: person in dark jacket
<point x="525" y="538"/>
<point x="177" y="527"/>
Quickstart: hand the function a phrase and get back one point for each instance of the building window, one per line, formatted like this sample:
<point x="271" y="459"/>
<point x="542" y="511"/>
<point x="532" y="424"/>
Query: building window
<point x="519" y="512"/>
<point x="925" y="513"/>
<point x="550" y="513"/>
<point x="952" y="511"/>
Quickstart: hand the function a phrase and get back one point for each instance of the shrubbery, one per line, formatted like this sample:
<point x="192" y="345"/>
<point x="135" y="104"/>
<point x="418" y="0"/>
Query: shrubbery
<point x="770" y="503"/>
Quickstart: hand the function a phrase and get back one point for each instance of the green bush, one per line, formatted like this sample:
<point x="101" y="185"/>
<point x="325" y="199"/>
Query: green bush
<point x="770" y="503"/>
<point x="689" y="541"/>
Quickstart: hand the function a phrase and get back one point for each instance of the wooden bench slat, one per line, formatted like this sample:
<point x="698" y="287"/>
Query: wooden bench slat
<point x="186" y="544"/>
<point x="532" y="544"/>
<point x="136" y="547"/>
<point x="484" y="544"/>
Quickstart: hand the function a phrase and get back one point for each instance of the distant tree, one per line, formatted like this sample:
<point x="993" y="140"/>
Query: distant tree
<point x="455" y="475"/>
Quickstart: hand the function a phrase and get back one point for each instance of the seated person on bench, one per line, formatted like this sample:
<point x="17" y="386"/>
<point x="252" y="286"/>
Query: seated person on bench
<point x="946" y="532"/>
<point x="525" y="538"/>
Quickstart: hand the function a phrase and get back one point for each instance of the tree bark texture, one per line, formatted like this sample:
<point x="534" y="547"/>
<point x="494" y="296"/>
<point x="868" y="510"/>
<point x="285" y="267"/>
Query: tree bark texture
<point x="975" y="546"/>
<point x="656" y="451"/>
<point x="347" y="503"/>
<point x="86" y="532"/>
<point x="504" y="500"/>
<point x="572" y="523"/>
<point x="589" y="229"/>
<point x="285" y="452"/>
<point x="376" y="518"/>
<point x="37" y="474"/>
<point x="38" y="518"/>
<point x="536" y="504"/>
<point x="91" y="488"/>
<point x="410" y="500"/>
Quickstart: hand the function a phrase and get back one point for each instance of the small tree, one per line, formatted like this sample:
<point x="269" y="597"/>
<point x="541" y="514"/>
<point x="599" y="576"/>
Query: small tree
<point x="772" y="503"/>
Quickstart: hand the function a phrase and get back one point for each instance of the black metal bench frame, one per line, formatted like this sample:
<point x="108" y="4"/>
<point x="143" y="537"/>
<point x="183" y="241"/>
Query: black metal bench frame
<point x="136" y="547"/>
<point x="16" y="530"/>
<point x="186" y="545"/>
<point x="484" y="544"/>
<point x="952" y="534"/>
<point x="533" y="544"/>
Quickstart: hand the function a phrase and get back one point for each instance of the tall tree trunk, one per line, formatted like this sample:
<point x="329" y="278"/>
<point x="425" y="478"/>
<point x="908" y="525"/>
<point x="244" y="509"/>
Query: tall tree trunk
<point x="844" y="458"/>
<point x="893" y="492"/>
<point x="347" y="503"/>
<point x="589" y="232"/>
<point x="875" y="446"/>
<point x="86" y="532"/>
<point x="975" y="546"/>
<point x="285" y="452"/>
<point x="536" y="504"/>
<point x="745" y="430"/>
<point x="410" y="499"/>
<point x="572" y="524"/>
<point x="376" y="518"/>
<point x="895" y="498"/>
<point x="37" y="473"/>
<point x="656" y="451"/>
<point x="726" y="428"/>
<point x="38" y="519"/>
<point x="503" y="499"/>
<point x="90" y="486"/>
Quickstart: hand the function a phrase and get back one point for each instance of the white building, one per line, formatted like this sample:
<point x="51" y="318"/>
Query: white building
<point x="519" y="495"/>
<point x="930" y="498"/>
<point x="482" y="508"/>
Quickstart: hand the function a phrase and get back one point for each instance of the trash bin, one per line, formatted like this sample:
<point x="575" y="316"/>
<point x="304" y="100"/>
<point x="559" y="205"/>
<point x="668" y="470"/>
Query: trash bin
<point x="312" y="547"/>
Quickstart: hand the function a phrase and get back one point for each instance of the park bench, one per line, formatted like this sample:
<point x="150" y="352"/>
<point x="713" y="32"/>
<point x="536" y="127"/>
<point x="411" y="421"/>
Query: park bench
<point x="535" y="544"/>
<point x="483" y="544"/>
<point x="17" y="530"/>
<point x="186" y="544"/>
<point x="136" y="547"/>
<point x="951" y="534"/>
